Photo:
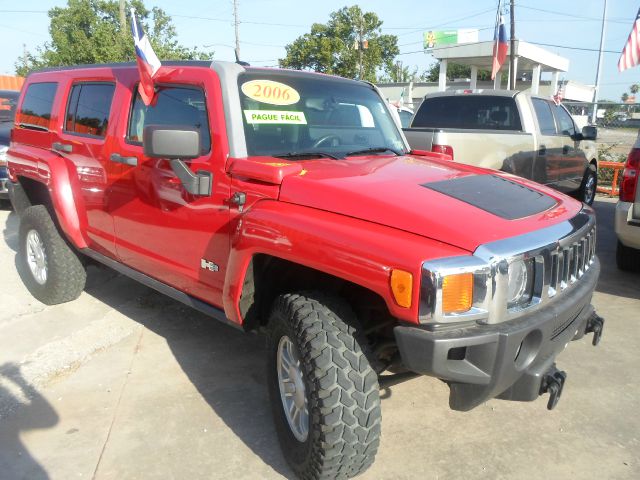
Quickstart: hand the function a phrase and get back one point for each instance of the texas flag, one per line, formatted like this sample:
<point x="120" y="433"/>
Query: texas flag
<point x="148" y="63"/>
<point x="500" y="47"/>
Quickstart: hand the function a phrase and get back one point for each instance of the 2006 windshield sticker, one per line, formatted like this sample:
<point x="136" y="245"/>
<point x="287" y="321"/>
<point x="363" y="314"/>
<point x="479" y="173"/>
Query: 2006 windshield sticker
<point x="268" y="91"/>
<point x="275" y="116"/>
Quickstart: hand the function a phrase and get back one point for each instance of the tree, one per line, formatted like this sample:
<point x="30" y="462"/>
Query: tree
<point x="90" y="31"/>
<point x="350" y="44"/>
<point x="634" y="88"/>
<point x="454" y="70"/>
<point x="624" y="97"/>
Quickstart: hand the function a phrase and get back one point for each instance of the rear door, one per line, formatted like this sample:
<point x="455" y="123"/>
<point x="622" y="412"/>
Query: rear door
<point x="161" y="229"/>
<point x="83" y="140"/>
<point x="548" y="164"/>
<point x="574" y="161"/>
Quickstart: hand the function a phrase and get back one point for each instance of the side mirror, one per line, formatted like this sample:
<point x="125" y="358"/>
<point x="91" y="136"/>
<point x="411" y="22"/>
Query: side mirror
<point x="589" y="132"/>
<point x="178" y="144"/>
<point x="171" y="142"/>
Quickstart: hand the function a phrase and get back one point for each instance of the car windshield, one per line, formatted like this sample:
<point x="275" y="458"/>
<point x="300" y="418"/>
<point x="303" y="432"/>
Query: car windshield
<point x="295" y="115"/>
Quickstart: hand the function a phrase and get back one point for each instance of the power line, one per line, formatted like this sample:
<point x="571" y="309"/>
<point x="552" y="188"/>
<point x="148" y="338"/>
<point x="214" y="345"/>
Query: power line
<point x="573" y="15"/>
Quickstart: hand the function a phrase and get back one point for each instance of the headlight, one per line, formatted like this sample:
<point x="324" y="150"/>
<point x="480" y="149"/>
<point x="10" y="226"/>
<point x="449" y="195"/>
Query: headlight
<point x="3" y="154"/>
<point x="519" y="286"/>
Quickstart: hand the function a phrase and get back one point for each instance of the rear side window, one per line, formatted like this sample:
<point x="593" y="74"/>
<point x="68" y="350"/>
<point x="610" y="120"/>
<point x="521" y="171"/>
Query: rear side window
<point x="176" y="106"/>
<point x="565" y="122"/>
<point x="545" y="117"/>
<point x="482" y="112"/>
<point x="35" y="111"/>
<point x="88" y="109"/>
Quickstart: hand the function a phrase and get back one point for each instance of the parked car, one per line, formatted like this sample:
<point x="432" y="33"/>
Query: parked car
<point x="512" y="131"/>
<point x="288" y="202"/>
<point x="627" y="222"/>
<point x="8" y="99"/>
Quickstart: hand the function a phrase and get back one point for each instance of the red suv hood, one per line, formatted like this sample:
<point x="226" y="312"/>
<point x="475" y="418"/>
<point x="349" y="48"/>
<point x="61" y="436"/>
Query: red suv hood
<point x="390" y="191"/>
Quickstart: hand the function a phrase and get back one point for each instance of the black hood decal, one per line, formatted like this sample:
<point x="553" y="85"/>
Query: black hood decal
<point x="496" y="195"/>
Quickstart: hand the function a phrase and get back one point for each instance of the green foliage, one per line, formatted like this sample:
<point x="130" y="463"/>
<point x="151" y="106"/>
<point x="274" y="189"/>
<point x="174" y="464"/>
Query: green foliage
<point x="454" y="70"/>
<point x="634" y="88"/>
<point x="89" y="31"/>
<point x="332" y="47"/>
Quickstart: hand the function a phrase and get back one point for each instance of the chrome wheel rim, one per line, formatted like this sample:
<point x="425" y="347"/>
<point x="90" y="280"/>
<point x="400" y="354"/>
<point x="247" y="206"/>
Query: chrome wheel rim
<point x="292" y="389"/>
<point x="36" y="257"/>
<point x="590" y="189"/>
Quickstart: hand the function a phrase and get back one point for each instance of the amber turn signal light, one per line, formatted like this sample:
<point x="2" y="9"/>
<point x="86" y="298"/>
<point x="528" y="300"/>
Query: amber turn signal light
<point x="457" y="293"/>
<point x="402" y="287"/>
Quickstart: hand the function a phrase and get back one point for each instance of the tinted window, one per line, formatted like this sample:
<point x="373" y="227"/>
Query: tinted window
<point x="545" y="117"/>
<point x="482" y="112"/>
<point x="88" y="109"/>
<point x="565" y="121"/>
<point x="8" y="101"/>
<point x="176" y="106"/>
<point x="35" y="110"/>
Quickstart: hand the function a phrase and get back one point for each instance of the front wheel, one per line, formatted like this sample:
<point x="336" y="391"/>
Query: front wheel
<point x="324" y="394"/>
<point x="587" y="192"/>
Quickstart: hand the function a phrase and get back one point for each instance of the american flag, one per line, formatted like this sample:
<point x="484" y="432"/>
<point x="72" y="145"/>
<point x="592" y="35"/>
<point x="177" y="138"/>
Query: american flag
<point x="630" y="56"/>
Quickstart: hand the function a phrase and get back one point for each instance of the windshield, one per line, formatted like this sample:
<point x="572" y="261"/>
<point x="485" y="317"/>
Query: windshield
<point x="289" y="114"/>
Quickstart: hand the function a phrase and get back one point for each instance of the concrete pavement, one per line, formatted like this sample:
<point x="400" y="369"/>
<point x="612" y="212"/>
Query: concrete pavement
<point x="127" y="384"/>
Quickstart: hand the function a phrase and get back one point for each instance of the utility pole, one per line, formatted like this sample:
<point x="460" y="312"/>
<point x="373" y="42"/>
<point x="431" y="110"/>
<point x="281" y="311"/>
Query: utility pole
<point x="512" y="47"/>
<point x="597" y="86"/>
<point x="123" y="18"/>
<point x="236" y="23"/>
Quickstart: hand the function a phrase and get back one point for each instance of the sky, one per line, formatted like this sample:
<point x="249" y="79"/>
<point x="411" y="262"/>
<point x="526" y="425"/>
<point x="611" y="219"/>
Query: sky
<point x="268" y="25"/>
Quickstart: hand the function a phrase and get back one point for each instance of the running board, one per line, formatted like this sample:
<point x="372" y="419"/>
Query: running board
<point x="163" y="288"/>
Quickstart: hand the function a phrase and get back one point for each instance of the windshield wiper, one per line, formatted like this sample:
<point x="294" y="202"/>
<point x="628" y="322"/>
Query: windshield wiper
<point x="373" y="150"/>
<point x="306" y="154"/>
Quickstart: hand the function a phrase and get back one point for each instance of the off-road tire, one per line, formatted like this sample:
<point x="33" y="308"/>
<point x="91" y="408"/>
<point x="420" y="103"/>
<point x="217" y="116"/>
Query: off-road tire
<point x="341" y="387"/>
<point x="627" y="258"/>
<point x="583" y="195"/>
<point x="66" y="276"/>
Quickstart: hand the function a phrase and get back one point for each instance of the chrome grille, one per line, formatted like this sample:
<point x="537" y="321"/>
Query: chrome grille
<point x="570" y="262"/>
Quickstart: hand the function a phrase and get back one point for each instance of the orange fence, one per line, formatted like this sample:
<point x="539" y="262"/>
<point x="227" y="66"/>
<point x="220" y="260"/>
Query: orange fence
<point x="10" y="82"/>
<point x="616" y="166"/>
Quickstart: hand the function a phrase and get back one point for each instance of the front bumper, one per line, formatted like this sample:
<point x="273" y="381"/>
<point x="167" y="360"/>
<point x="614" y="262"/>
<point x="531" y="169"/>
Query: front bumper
<point x="627" y="229"/>
<point x="510" y="360"/>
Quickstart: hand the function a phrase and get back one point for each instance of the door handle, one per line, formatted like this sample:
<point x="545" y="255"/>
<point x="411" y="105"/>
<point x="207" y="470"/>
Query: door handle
<point x="117" y="158"/>
<point x="542" y="151"/>
<point x="62" y="147"/>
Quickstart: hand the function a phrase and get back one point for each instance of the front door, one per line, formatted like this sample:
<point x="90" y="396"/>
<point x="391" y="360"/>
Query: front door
<point x="162" y="230"/>
<point x="574" y="161"/>
<point x="549" y="157"/>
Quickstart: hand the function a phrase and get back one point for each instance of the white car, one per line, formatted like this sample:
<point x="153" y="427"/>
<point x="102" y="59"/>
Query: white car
<point x="627" y="222"/>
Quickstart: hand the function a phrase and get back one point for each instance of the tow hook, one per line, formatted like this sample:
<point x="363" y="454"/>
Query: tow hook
<point x="553" y="382"/>
<point x="595" y="324"/>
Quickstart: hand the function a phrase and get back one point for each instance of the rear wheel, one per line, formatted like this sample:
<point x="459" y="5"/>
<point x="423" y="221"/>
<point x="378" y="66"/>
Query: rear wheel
<point x="50" y="268"/>
<point x="587" y="192"/>
<point x="627" y="258"/>
<point x="324" y="393"/>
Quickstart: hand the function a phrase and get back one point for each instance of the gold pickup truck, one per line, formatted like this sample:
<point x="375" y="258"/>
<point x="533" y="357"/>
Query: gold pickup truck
<point x="527" y="135"/>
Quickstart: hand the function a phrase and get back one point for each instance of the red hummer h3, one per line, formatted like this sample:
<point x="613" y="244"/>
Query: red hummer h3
<point x="290" y="202"/>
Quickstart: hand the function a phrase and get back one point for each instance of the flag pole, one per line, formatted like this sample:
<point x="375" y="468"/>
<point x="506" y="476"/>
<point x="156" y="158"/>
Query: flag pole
<point x="599" y="68"/>
<point x="512" y="59"/>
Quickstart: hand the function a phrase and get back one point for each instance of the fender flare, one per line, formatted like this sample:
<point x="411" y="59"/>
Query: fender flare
<point x="360" y="252"/>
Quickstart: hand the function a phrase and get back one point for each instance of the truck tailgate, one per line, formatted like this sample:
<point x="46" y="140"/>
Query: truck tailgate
<point x="420" y="138"/>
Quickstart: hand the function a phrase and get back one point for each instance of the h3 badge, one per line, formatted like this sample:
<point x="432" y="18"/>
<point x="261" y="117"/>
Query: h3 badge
<point x="207" y="265"/>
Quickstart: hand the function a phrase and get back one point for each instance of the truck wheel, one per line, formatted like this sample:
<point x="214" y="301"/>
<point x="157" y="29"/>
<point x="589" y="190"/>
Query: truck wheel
<point x="627" y="258"/>
<point x="324" y="394"/>
<point x="50" y="269"/>
<point x="587" y="193"/>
